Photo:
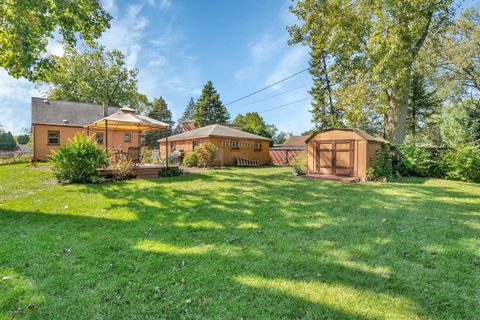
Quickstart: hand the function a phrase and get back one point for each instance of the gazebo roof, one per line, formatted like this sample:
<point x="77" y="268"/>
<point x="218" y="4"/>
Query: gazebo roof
<point x="126" y="119"/>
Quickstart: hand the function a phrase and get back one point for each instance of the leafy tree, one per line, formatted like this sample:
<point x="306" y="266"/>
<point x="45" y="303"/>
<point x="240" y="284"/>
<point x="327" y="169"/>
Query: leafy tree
<point x="22" y="139"/>
<point x="457" y="126"/>
<point x="189" y="111"/>
<point x="422" y="106"/>
<point x="252" y="122"/>
<point x="94" y="76"/>
<point x="459" y="55"/>
<point x="209" y="109"/>
<point x="324" y="112"/>
<point x="371" y="47"/>
<point x="7" y="142"/>
<point x="159" y="111"/>
<point x="27" y="26"/>
<point x="280" y="137"/>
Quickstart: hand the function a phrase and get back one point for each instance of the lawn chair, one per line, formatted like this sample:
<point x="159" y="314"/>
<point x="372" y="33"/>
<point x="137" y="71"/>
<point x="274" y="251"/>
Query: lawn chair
<point x="135" y="156"/>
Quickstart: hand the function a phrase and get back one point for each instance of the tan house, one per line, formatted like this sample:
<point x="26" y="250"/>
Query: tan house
<point x="231" y="143"/>
<point x="342" y="152"/>
<point x="54" y="122"/>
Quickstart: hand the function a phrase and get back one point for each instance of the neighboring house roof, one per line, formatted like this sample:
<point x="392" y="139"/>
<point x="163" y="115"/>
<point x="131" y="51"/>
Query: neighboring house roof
<point x="293" y="143"/>
<point x="184" y="126"/>
<point x="67" y="113"/>
<point x="214" y="130"/>
<point x="24" y="148"/>
<point x="361" y="133"/>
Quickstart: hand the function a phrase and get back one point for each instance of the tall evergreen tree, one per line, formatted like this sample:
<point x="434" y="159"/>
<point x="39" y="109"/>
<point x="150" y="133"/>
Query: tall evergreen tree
<point x="209" y="109"/>
<point x="159" y="111"/>
<point x="189" y="111"/>
<point x="324" y="112"/>
<point x="421" y="107"/>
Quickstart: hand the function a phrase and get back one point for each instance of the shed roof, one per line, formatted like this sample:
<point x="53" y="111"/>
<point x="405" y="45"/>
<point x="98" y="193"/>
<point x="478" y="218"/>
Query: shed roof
<point x="214" y="130"/>
<point x="365" y="135"/>
<point x="67" y="113"/>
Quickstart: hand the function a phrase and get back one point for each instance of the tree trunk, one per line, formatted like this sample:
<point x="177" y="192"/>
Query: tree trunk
<point x="396" y="116"/>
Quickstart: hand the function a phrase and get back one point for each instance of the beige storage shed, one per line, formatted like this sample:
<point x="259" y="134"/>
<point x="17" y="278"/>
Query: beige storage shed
<point x="342" y="152"/>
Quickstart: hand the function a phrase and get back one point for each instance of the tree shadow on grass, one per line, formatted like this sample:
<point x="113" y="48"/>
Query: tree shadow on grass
<point x="259" y="246"/>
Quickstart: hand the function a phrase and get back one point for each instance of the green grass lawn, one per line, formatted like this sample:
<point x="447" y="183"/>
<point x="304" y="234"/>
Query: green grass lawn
<point x="237" y="244"/>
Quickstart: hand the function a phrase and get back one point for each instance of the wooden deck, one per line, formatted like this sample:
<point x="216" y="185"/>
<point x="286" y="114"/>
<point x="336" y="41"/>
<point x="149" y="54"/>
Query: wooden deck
<point x="331" y="177"/>
<point x="147" y="171"/>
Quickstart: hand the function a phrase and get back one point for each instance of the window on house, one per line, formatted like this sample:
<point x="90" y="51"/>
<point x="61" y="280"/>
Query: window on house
<point x="195" y="144"/>
<point x="234" y="145"/>
<point x="257" y="146"/>
<point x="99" y="137"/>
<point x="127" y="137"/>
<point x="172" y="146"/>
<point x="53" y="137"/>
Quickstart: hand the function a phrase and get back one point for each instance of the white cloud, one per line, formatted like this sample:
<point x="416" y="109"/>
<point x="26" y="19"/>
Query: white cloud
<point x="293" y="61"/>
<point x="126" y="32"/>
<point x="259" y="52"/>
<point x="15" y="95"/>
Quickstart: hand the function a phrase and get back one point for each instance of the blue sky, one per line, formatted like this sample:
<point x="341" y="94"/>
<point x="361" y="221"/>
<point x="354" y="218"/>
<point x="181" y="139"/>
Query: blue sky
<point x="178" y="45"/>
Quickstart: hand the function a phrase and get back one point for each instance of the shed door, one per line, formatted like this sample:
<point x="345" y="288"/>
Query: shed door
<point x="335" y="157"/>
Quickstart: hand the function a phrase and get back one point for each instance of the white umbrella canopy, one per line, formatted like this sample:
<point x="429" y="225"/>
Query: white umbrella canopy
<point x="126" y="119"/>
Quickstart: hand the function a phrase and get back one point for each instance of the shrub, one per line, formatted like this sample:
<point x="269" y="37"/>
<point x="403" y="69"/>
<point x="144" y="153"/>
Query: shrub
<point x="147" y="155"/>
<point x="383" y="169"/>
<point x="79" y="160"/>
<point x="299" y="163"/>
<point x="462" y="163"/>
<point x="119" y="171"/>
<point x="14" y="160"/>
<point x="414" y="161"/>
<point x="170" y="172"/>
<point x="190" y="159"/>
<point x="206" y="155"/>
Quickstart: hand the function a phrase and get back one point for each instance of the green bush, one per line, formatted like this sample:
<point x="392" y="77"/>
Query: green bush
<point x="206" y="155"/>
<point x="14" y="160"/>
<point x="299" y="163"/>
<point x="119" y="171"/>
<point x="170" y="172"/>
<point x="414" y="161"/>
<point x="383" y="169"/>
<point x="462" y="163"/>
<point x="79" y="160"/>
<point x="190" y="159"/>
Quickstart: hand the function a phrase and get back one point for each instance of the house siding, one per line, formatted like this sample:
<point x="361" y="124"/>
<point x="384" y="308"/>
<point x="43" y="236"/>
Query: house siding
<point x="42" y="150"/>
<point x="225" y="155"/>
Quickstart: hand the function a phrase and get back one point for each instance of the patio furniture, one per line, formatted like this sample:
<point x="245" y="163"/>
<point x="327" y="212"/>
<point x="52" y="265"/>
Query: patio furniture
<point x="135" y="156"/>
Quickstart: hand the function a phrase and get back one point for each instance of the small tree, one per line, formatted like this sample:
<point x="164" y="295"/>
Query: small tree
<point x="189" y="111"/>
<point x="7" y="142"/>
<point x="159" y="111"/>
<point x="206" y="155"/>
<point x="79" y="160"/>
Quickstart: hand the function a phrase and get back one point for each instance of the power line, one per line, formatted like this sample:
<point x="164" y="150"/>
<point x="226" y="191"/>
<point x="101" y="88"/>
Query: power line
<point x="269" y="86"/>
<point x="284" y="105"/>
<point x="274" y="95"/>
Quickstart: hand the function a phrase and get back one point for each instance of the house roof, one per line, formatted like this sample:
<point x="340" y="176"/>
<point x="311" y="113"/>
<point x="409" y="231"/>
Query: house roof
<point x="365" y="135"/>
<point x="214" y="130"/>
<point x="67" y="113"/>
<point x="184" y="126"/>
<point x="296" y="141"/>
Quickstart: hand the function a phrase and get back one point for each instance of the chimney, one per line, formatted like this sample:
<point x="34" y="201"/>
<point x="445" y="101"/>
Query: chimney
<point x="105" y="109"/>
